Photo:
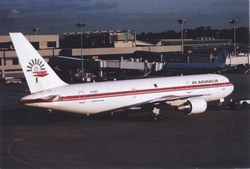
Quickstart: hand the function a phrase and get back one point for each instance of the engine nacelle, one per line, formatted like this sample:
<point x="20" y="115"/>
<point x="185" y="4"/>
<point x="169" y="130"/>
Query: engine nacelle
<point x="194" y="105"/>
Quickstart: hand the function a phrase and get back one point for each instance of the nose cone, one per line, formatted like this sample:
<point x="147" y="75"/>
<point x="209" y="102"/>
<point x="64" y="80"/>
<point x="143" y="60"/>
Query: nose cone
<point x="231" y="89"/>
<point x="229" y="85"/>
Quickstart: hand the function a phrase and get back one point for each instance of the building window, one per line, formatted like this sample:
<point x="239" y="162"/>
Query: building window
<point x="35" y="45"/>
<point x="15" y="61"/>
<point x="5" y="45"/>
<point x="51" y="44"/>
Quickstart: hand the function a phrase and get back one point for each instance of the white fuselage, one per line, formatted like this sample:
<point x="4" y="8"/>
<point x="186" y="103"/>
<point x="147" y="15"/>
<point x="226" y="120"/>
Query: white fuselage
<point x="90" y="98"/>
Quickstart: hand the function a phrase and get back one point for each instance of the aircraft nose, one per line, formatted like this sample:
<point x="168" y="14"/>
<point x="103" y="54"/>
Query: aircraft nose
<point x="230" y="89"/>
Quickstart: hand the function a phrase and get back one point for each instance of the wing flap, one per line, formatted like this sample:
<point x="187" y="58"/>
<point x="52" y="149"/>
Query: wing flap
<point x="173" y="98"/>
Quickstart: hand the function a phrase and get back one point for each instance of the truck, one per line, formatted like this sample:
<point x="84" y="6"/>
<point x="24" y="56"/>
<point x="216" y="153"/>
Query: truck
<point x="12" y="80"/>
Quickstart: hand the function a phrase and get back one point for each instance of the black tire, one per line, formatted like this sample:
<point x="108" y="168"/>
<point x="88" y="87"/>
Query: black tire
<point x="244" y="105"/>
<point x="157" y="118"/>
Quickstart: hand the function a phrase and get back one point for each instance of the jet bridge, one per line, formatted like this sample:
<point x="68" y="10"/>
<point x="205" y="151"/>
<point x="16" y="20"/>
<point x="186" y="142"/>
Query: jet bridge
<point x="132" y="64"/>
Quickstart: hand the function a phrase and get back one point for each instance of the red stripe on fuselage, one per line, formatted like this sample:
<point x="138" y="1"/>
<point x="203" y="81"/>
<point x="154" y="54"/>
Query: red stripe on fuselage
<point x="136" y="92"/>
<point x="142" y="91"/>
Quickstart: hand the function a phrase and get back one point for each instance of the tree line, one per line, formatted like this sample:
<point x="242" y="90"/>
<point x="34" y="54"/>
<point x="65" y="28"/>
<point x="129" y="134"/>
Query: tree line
<point x="242" y="34"/>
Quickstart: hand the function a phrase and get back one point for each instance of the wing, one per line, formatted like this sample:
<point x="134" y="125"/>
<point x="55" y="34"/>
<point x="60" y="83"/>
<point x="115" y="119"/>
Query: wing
<point x="171" y="98"/>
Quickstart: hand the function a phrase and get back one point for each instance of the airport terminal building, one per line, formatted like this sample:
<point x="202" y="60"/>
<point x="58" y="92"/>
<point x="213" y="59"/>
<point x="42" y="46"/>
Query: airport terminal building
<point x="96" y="45"/>
<point x="45" y="44"/>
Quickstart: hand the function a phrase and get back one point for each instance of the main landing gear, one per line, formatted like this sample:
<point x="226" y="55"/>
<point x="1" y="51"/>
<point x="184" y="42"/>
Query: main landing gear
<point x="156" y="115"/>
<point x="220" y="104"/>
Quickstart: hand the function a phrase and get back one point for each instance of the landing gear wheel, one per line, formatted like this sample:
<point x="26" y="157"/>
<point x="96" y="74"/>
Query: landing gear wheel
<point x="244" y="105"/>
<point x="158" y="117"/>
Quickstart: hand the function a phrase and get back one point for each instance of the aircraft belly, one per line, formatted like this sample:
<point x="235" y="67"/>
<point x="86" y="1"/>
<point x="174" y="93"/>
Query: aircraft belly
<point x="114" y="103"/>
<point x="93" y="106"/>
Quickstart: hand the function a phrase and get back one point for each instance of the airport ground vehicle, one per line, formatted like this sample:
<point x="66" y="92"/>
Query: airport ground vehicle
<point x="236" y="104"/>
<point x="242" y="103"/>
<point x="12" y="80"/>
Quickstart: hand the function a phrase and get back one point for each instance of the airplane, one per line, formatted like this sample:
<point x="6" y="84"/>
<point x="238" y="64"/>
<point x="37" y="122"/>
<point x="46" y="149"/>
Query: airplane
<point x="218" y="66"/>
<point x="188" y="93"/>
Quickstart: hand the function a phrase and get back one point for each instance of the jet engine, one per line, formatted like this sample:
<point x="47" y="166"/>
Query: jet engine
<point x="194" y="105"/>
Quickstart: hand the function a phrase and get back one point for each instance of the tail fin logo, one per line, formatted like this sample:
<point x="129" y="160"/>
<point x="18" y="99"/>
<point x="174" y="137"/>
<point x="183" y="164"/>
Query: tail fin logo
<point x="36" y="66"/>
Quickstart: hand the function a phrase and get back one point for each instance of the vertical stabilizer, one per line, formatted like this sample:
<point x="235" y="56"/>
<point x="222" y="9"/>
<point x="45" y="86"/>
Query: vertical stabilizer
<point x="221" y="57"/>
<point x="38" y="73"/>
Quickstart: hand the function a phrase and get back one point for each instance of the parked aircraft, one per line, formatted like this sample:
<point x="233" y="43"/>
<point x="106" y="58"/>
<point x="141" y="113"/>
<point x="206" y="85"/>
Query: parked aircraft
<point x="218" y="65"/>
<point x="189" y="93"/>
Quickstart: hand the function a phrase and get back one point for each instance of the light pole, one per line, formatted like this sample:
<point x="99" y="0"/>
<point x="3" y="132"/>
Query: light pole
<point x="217" y="34"/>
<point x="35" y="30"/>
<point x="185" y="34"/>
<point x="181" y="22"/>
<point x="234" y="22"/>
<point x="81" y="25"/>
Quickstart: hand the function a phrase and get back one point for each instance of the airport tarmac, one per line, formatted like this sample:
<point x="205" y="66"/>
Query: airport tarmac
<point x="34" y="138"/>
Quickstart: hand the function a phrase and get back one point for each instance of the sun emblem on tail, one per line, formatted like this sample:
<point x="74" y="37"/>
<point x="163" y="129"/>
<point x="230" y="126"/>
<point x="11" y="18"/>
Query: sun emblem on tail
<point x="37" y="67"/>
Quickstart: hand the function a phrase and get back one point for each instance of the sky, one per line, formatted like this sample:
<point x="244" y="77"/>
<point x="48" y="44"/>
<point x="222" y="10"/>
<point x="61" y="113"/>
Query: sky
<point x="60" y="16"/>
